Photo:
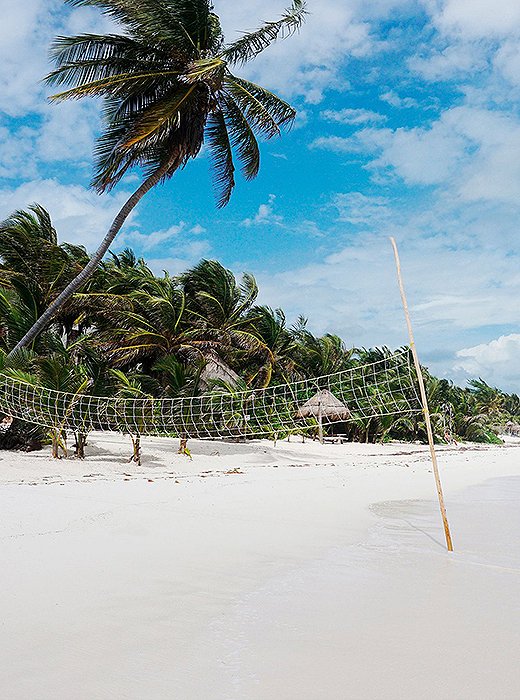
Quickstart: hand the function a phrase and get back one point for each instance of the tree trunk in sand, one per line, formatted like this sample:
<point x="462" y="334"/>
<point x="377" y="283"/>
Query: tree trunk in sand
<point x="136" y="444"/>
<point x="79" y="447"/>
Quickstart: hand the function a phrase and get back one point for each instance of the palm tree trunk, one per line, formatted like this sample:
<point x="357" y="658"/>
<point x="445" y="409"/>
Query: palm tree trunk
<point x="81" y="441"/>
<point x="136" y="444"/>
<point x="94" y="261"/>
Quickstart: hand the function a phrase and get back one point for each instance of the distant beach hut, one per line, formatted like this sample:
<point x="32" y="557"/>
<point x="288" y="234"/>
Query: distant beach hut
<point x="512" y="429"/>
<point x="324" y="406"/>
<point x="217" y="370"/>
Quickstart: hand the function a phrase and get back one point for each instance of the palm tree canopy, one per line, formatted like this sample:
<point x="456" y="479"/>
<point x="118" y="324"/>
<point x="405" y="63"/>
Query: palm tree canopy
<point x="168" y="88"/>
<point x="30" y="254"/>
<point x="34" y="269"/>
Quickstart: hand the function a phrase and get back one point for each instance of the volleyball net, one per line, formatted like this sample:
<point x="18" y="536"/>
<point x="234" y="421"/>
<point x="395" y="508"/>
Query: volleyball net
<point x="386" y="387"/>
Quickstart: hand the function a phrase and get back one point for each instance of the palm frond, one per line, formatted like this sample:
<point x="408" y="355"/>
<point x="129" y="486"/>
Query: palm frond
<point x="163" y="113"/>
<point x="120" y="84"/>
<point x="89" y="57"/>
<point x="253" y="43"/>
<point x="222" y="156"/>
<point x="189" y="24"/>
<point x="211" y="70"/>
<point x="172" y="143"/>
<point x="265" y="111"/>
<point x="242" y="137"/>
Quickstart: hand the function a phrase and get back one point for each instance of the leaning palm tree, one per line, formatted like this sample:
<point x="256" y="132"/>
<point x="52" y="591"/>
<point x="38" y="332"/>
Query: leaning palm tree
<point x="167" y="87"/>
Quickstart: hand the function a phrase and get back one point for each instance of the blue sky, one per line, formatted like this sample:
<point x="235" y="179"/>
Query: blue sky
<point x="408" y="125"/>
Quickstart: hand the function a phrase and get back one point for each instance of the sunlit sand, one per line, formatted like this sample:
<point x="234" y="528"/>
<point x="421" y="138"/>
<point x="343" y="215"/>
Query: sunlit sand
<point x="253" y="571"/>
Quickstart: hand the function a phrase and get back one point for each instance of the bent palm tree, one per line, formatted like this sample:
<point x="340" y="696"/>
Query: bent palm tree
<point x="167" y="88"/>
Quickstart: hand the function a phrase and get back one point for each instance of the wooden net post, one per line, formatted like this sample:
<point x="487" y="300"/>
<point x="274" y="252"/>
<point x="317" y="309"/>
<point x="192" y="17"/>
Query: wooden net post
<point x="424" y="400"/>
<point x="320" y="423"/>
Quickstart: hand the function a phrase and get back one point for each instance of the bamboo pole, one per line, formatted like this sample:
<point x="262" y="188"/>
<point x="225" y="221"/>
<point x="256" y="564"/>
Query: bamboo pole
<point x="320" y="423"/>
<point x="424" y="399"/>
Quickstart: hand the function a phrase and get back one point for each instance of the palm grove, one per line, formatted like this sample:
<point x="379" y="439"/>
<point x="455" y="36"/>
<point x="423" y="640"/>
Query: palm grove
<point x="108" y="325"/>
<point x="132" y="334"/>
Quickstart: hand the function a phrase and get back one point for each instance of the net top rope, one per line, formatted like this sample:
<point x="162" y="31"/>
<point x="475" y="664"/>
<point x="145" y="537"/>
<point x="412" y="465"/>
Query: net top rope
<point x="385" y="387"/>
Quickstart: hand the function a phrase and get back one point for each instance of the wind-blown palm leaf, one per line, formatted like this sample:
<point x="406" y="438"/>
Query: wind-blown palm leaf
<point x="221" y="153"/>
<point x="182" y="22"/>
<point x="266" y="112"/>
<point x="253" y="43"/>
<point x="89" y="57"/>
<point x="242" y="138"/>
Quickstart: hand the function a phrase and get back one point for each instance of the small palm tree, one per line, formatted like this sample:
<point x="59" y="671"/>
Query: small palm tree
<point x="56" y="372"/>
<point x="134" y="386"/>
<point x="218" y="306"/>
<point x="270" y="327"/>
<point x="179" y="380"/>
<point x="318" y="356"/>
<point x="143" y="326"/>
<point x="167" y="87"/>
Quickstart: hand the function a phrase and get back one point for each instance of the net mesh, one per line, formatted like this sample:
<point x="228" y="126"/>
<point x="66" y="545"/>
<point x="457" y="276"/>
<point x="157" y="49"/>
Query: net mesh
<point x="387" y="387"/>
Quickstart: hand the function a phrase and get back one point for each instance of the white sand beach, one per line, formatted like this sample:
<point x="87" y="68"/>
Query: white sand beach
<point x="299" y="571"/>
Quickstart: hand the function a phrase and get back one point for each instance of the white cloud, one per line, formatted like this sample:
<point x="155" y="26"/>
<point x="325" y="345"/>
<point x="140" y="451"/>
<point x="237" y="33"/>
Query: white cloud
<point x="353" y="116"/>
<point x="172" y="265"/>
<point x="470" y="151"/>
<point x="88" y="20"/>
<point x="478" y="18"/>
<point x="17" y="157"/>
<point x="418" y="155"/>
<point x="393" y="99"/>
<point x="149" y="241"/>
<point x="338" y="144"/>
<point x="422" y="156"/>
<point x="187" y="255"/>
<point x="265" y="215"/>
<point x="25" y="32"/>
<point x="178" y="246"/>
<point x="302" y="118"/>
<point x="68" y="132"/>
<point x="79" y="215"/>
<point x="507" y="61"/>
<point x="497" y="361"/>
<point x="358" y="208"/>
<point x="309" y="63"/>
<point x="454" y="61"/>
<point x="475" y="44"/>
<point x="57" y="133"/>
<point x="309" y="227"/>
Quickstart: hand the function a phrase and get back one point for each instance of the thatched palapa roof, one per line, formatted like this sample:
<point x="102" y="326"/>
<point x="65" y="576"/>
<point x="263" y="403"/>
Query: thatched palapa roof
<point x="327" y="405"/>
<point x="217" y="370"/>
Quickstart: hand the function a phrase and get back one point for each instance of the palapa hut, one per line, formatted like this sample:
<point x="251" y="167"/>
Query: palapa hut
<point x="512" y="429"/>
<point x="325" y="407"/>
<point x="217" y="370"/>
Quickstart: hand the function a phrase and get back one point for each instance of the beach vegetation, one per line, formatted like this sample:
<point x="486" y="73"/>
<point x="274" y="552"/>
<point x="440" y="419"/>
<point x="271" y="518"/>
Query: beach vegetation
<point x="133" y="334"/>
